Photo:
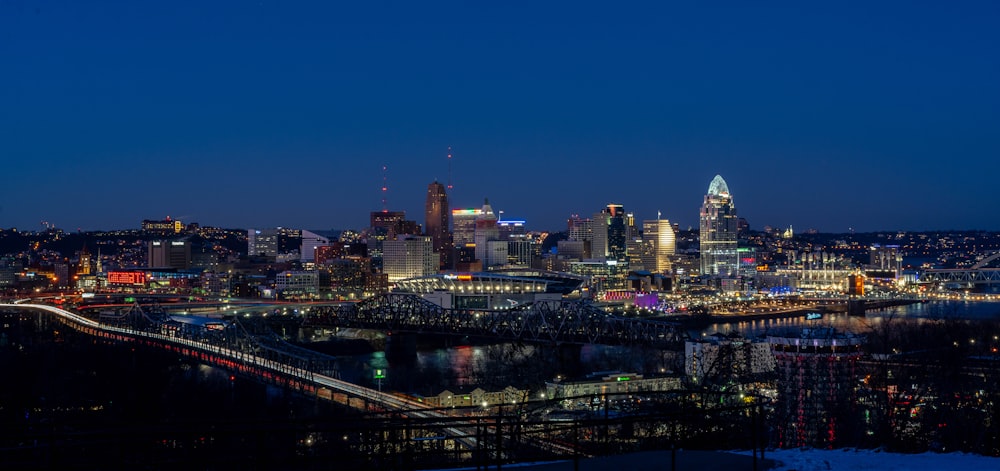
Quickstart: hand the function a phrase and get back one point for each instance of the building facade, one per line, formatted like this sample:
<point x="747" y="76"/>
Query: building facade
<point x="464" y="226"/>
<point x="659" y="245"/>
<point x="718" y="232"/>
<point x="169" y="254"/>
<point x="409" y="256"/>
<point x="436" y="222"/>
<point x="610" y="234"/>
<point x="817" y="378"/>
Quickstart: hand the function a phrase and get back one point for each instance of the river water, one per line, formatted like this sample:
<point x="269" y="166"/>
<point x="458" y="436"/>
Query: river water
<point x="493" y="367"/>
<point x="917" y="312"/>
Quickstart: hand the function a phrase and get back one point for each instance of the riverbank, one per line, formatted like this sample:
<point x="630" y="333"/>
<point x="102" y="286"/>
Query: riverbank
<point x="708" y="319"/>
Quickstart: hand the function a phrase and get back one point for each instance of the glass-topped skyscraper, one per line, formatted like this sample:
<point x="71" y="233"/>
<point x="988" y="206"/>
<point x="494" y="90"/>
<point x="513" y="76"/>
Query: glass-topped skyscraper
<point x="717" y="234"/>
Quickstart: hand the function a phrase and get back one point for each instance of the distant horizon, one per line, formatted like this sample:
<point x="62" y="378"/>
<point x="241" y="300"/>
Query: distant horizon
<point x="333" y="229"/>
<point x="818" y="116"/>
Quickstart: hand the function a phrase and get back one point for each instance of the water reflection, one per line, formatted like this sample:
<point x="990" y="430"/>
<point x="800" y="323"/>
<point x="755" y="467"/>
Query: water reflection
<point x="432" y="371"/>
<point x="917" y="312"/>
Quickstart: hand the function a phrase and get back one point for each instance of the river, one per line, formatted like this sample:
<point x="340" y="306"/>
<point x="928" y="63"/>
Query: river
<point x="493" y="367"/>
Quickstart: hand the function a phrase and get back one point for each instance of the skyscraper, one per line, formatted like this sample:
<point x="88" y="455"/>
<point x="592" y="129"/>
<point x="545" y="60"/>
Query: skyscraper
<point x="436" y="222"/>
<point x="486" y="230"/>
<point x="464" y="222"/>
<point x="610" y="233"/>
<point x="659" y="241"/>
<point x="717" y="236"/>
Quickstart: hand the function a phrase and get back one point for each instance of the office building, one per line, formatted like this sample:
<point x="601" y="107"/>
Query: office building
<point x="409" y="256"/>
<point x="658" y="245"/>
<point x="262" y="242"/>
<point x="717" y="235"/>
<point x="486" y="230"/>
<point x="174" y="254"/>
<point x="309" y="243"/>
<point x="609" y="234"/>
<point x="436" y="222"/>
<point x="464" y="226"/>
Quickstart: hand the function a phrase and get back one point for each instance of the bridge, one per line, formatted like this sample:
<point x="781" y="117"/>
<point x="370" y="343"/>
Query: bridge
<point x="553" y="322"/>
<point x="253" y="350"/>
<point x="966" y="277"/>
<point x="246" y="351"/>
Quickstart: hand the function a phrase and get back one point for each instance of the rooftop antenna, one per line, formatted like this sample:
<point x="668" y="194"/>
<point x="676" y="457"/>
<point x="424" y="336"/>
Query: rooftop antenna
<point x="385" y="190"/>
<point x="449" y="169"/>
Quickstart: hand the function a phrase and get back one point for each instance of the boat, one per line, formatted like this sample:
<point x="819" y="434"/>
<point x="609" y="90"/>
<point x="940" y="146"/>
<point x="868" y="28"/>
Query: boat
<point x="813" y="316"/>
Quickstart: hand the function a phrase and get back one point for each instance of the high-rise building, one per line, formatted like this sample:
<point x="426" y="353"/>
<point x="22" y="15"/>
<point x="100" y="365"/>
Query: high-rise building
<point x="610" y="233"/>
<point x="486" y="230"/>
<point x="717" y="236"/>
<point x="409" y="256"/>
<point x="386" y="219"/>
<point x="658" y="239"/>
<point x="169" y="254"/>
<point x="579" y="229"/>
<point x="310" y="242"/>
<point x="436" y="222"/>
<point x="262" y="242"/>
<point x="464" y="226"/>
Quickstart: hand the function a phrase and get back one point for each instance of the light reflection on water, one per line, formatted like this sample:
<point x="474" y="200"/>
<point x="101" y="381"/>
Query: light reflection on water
<point x="918" y="312"/>
<point x="435" y="369"/>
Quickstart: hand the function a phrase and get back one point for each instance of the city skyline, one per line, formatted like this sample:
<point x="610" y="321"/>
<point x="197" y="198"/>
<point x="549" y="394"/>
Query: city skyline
<point x="862" y="117"/>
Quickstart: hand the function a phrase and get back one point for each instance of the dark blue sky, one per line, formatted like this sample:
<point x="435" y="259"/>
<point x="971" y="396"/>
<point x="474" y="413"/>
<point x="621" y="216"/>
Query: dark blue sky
<point x="876" y="117"/>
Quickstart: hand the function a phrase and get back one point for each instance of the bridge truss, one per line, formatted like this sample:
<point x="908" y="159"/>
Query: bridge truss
<point x="557" y="322"/>
<point x="972" y="276"/>
<point x="249" y="337"/>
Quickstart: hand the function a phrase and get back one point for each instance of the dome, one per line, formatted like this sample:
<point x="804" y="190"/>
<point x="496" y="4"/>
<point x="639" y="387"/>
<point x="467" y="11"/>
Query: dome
<point x="718" y="187"/>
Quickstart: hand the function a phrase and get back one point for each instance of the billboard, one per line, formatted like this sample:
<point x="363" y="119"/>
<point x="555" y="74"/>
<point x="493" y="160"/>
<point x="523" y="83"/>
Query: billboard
<point x="126" y="277"/>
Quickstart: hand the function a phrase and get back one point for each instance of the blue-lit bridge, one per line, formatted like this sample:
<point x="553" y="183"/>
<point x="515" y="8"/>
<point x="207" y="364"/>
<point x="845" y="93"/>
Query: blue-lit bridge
<point x="552" y="322"/>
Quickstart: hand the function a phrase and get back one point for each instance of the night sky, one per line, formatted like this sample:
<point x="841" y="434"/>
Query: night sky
<point x="867" y="115"/>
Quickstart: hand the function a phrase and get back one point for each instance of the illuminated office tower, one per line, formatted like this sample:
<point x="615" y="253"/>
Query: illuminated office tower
<point x="717" y="236"/>
<point x="464" y="226"/>
<point x="436" y="222"/>
<point x="658" y="239"/>
<point x="409" y="256"/>
<point x="610" y="232"/>
<point x="169" y="254"/>
<point x="486" y="230"/>
<point x="262" y="242"/>
<point x="582" y="230"/>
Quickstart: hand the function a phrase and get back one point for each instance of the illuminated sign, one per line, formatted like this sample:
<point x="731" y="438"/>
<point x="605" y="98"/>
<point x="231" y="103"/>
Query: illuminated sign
<point x="624" y="378"/>
<point x="379" y="374"/>
<point x="127" y="277"/>
<point x="464" y="277"/>
<point x="466" y="212"/>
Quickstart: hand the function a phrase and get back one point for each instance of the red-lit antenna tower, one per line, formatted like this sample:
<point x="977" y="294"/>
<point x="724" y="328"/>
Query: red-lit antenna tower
<point x="385" y="191"/>
<point x="449" y="169"/>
